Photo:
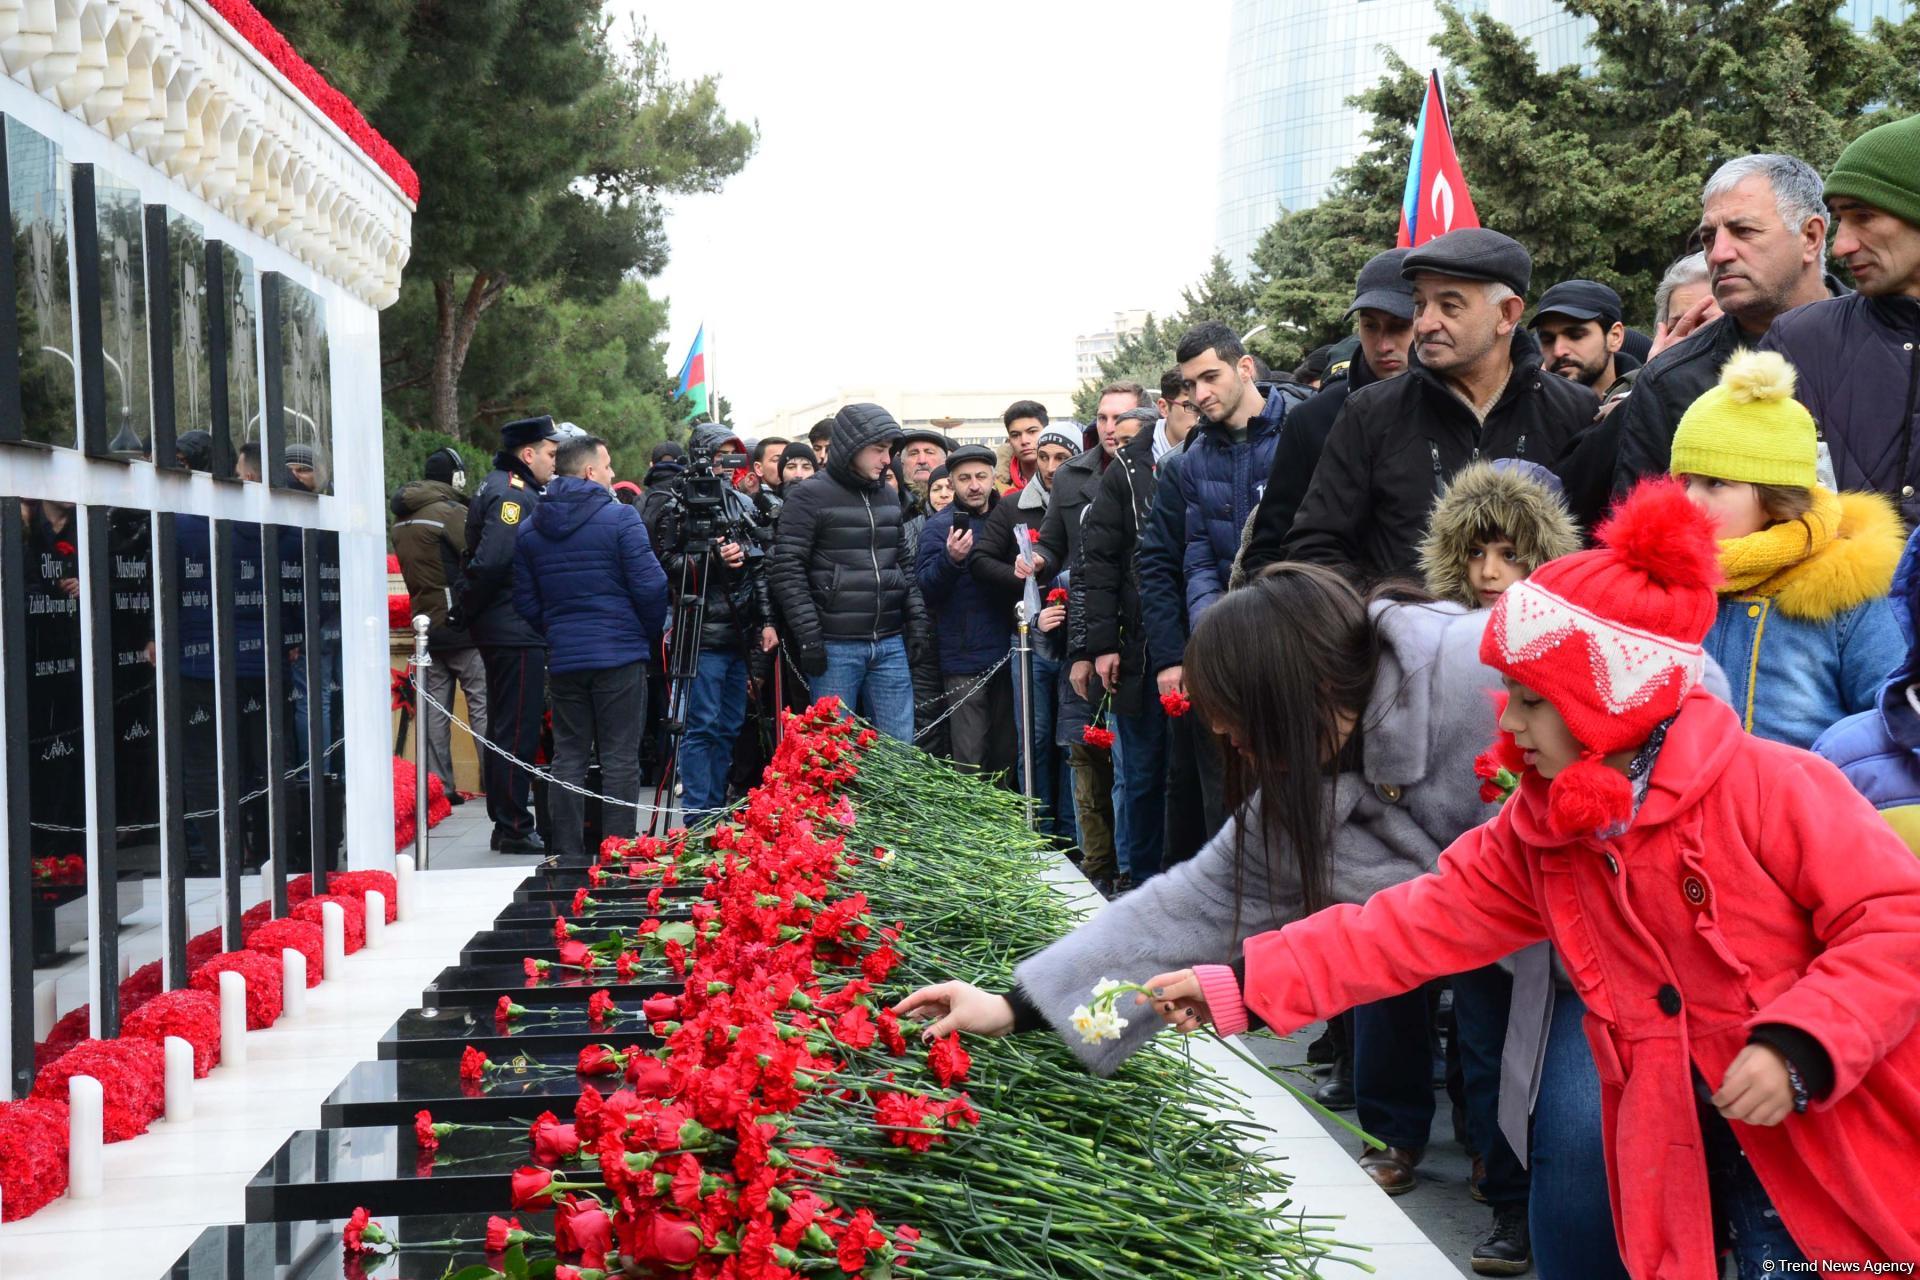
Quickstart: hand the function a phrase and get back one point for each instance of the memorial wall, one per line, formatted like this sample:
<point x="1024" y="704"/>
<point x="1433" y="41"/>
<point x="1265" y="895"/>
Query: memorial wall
<point x="193" y="669"/>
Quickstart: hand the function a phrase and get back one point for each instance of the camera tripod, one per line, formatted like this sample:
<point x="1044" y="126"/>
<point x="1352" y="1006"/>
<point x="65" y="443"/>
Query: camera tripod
<point x="683" y="666"/>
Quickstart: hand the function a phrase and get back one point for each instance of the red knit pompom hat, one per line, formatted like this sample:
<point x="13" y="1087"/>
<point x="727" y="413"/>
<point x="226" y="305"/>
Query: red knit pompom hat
<point x="1611" y="637"/>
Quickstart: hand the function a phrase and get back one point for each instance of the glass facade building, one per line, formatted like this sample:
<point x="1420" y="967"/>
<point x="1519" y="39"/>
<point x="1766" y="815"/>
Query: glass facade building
<point x="1286" y="127"/>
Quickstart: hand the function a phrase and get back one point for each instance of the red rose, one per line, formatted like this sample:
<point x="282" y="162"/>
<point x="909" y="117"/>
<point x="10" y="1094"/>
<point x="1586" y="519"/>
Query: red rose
<point x="675" y="1242"/>
<point x="553" y="1141"/>
<point x="649" y="1076"/>
<point x="592" y="1234"/>
<point x="473" y="1064"/>
<point x="532" y="1188"/>
<point x="423" y="1134"/>
<point x="948" y="1061"/>
<point x="598" y="1060"/>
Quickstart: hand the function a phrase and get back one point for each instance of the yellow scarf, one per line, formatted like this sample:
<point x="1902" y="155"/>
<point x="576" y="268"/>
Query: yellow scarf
<point x="1750" y="562"/>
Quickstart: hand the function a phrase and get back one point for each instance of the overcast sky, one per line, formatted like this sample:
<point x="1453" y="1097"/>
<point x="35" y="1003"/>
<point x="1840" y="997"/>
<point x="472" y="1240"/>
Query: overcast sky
<point x="943" y="195"/>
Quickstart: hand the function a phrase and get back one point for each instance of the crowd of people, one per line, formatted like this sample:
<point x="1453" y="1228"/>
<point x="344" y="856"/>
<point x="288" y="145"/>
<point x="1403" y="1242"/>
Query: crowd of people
<point x="1276" y="621"/>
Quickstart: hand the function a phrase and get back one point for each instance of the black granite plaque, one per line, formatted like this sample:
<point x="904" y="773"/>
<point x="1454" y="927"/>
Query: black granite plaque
<point x="393" y="1092"/>
<point x="615" y="912"/>
<point x="309" y="1249"/>
<point x="482" y="985"/>
<point x="446" y="1033"/>
<point x="511" y="946"/>
<point x="331" y="1172"/>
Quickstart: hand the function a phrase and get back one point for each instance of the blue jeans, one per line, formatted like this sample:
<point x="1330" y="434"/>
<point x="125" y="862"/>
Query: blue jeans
<point x="1140" y="778"/>
<point x="1744" y="1220"/>
<point x="1568" y="1210"/>
<point x="1116" y="757"/>
<point x="1393" y="1069"/>
<point x="716" y="708"/>
<point x="1481" y="1001"/>
<point x="1052" y="776"/>
<point x="878" y="669"/>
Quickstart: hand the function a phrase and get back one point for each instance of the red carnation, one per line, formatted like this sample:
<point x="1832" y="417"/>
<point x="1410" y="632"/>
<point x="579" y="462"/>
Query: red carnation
<point x="1033" y="534"/>
<point x="1176" y="703"/>
<point x="424" y="1135"/>
<point x="33" y="1155"/>
<point x="909" y="1119"/>
<point x="473" y="1064"/>
<point x="361" y="1232"/>
<point x="580" y="899"/>
<point x="599" y="1005"/>
<point x="857" y="1241"/>
<point x="1057" y="596"/>
<point x="1094" y="736"/>
<point x="289" y="934"/>
<point x="503" y="1233"/>
<point x="949" y="1062"/>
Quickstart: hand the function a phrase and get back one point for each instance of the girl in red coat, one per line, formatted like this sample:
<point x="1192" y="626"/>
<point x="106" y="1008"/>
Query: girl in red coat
<point x="1743" y="927"/>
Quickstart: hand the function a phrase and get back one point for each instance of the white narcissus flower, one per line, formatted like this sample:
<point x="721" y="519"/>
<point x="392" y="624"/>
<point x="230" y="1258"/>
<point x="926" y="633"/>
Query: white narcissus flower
<point x="1083" y="1022"/>
<point x="1106" y="986"/>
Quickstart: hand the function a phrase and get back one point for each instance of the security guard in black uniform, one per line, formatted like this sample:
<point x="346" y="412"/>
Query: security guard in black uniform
<point x="514" y="653"/>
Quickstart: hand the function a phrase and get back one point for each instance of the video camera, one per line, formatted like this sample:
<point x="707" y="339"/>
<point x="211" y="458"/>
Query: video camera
<point x="703" y="495"/>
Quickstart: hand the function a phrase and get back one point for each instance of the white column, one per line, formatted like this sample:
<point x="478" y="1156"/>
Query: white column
<point x="179" y="1079"/>
<point x="293" y="983"/>
<point x="86" y="1109"/>
<point x="333" y="925"/>
<point x="376" y="917"/>
<point x="404" y="888"/>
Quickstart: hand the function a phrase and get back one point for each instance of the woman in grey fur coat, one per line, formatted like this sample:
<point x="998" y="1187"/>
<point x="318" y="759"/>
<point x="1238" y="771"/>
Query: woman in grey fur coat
<point x="1392" y="701"/>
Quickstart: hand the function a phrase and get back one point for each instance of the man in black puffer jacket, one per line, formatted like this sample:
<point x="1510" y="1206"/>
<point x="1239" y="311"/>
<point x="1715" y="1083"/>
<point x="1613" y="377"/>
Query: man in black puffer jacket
<point x="841" y="574"/>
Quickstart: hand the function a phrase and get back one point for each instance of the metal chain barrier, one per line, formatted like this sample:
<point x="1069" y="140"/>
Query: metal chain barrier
<point x="918" y="733"/>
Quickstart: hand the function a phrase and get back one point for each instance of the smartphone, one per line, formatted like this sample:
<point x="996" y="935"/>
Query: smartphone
<point x="962" y="521"/>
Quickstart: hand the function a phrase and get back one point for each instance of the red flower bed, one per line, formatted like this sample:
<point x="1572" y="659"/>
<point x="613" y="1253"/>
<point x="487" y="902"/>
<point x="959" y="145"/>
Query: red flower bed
<point x="263" y="983"/>
<point x="356" y="883"/>
<point x="299" y="889"/>
<point x="355" y="908"/>
<point x="132" y="1076"/>
<point x="399" y="611"/>
<point x="304" y="936"/>
<point x="33" y="1156"/>
<point x="68" y="1032"/>
<point x="202" y="947"/>
<point x="404" y="794"/>
<point x="336" y="106"/>
<point x="142" y="985"/>
<point x="194" y="1016"/>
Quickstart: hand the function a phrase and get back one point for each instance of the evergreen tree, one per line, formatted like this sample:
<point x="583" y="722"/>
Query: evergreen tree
<point x="1597" y="171"/>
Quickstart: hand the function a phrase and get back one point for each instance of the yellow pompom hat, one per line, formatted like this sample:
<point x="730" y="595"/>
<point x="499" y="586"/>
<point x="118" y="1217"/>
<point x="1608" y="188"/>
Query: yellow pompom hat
<point x="1749" y="428"/>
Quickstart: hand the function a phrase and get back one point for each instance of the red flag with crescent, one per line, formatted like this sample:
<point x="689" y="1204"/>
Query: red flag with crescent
<point x="1435" y="200"/>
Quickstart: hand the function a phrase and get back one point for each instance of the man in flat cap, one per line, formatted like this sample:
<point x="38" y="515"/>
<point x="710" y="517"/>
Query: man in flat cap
<point x="1474" y="391"/>
<point x="1581" y="332"/>
<point x="514" y="654"/>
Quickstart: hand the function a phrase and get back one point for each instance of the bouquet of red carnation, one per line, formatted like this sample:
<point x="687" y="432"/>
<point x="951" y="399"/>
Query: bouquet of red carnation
<point x="202" y="947"/>
<point x="304" y="936"/>
<point x="132" y="1076"/>
<point x="356" y="910"/>
<point x="355" y="884"/>
<point x="1057" y="596"/>
<point x="263" y="975"/>
<point x="1097" y="734"/>
<point x="194" y="1016"/>
<point x="142" y="985"/>
<point x="33" y="1156"/>
<point x="1499" y="767"/>
<point x="1176" y="703"/>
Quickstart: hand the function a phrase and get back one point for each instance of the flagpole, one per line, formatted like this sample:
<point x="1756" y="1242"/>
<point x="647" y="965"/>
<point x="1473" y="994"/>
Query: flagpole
<point x="713" y="392"/>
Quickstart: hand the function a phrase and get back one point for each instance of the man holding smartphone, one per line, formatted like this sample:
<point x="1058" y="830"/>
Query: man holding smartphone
<point x="971" y="626"/>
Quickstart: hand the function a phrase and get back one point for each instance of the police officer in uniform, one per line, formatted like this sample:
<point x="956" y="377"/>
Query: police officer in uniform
<point x="515" y="655"/>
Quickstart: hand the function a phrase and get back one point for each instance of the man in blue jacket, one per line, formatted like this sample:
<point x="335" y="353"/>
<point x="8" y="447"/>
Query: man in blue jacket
<point x="972" y="626"/>
<point x="1226" y="468"/>
<point x="586" y="578"/>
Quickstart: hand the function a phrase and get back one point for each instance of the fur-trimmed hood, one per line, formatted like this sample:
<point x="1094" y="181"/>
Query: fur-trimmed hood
<point x="1490" y="496"/>
<point x="1855" y="566"/>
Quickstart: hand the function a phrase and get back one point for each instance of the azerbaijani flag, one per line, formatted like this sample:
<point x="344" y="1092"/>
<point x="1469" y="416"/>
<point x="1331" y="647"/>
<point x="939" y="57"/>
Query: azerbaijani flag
<point x="1435" y="200"/>
<point x="693" y="378"/>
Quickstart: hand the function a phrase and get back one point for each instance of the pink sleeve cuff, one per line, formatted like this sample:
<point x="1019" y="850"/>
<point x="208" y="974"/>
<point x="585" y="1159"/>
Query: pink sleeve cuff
<point x="1221" y="991"/>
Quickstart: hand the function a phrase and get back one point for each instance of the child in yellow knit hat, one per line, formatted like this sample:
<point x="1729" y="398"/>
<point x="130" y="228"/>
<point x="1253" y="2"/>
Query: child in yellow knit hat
<point x="1805" y="632"/>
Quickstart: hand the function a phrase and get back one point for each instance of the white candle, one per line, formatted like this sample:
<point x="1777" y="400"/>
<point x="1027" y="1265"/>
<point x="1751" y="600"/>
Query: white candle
<point x="233" y="1019"/>
<point x="404" y="887"/>
<point x="86" y="1106"/>
<point x="293" y="983"/>
<point x="179" y="1079"/>
<point x="333" y="927"/>
<point x="46" y="1009"/>
<point x="376" y="917"/>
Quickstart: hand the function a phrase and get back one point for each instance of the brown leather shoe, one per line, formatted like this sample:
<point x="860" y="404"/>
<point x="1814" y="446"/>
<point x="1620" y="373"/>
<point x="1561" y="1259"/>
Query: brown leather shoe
<point x="1477" y="1177"/>
<point x="1392" y="1169"/>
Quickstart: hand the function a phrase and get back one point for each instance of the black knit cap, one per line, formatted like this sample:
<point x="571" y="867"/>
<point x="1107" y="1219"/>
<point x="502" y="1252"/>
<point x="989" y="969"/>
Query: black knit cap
<point x="1473" y="253"/>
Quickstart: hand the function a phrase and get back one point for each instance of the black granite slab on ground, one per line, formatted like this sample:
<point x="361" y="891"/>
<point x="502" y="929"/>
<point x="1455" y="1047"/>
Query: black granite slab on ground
<point x="327" y="1173"/>
<point x="309" y="1249"/>
<point x="541" y="914"/>
<point x="376" y="1093"/>
<point x="445" y="1033"/>
<point x="483" y="985"/>
<point x="546" y="883"/>
<point x="514" y="946"/>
